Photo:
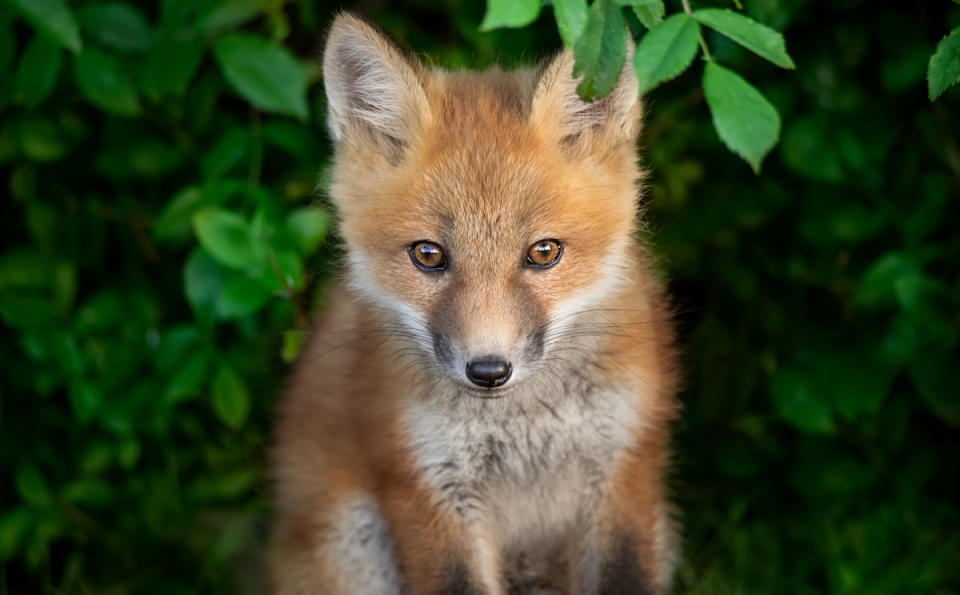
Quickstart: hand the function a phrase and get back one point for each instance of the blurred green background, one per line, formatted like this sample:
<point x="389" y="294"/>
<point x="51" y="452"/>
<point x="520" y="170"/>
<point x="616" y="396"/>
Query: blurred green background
<point x="165" y="240"/>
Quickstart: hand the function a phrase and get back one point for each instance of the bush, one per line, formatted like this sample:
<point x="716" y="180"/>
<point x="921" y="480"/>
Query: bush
<point x="164" y="248"/>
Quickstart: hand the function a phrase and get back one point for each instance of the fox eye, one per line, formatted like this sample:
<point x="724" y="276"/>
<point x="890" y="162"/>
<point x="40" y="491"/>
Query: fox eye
<point x="427" y="256"/>
<point x="544" y="254"/>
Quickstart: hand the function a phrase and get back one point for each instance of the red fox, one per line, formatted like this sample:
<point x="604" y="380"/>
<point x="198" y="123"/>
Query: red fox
<point x="485" y="404"/>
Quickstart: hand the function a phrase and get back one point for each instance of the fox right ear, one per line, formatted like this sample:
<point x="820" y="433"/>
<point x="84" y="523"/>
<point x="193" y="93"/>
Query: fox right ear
<point x="371" y="87"/>
<point x="561" y="115"/>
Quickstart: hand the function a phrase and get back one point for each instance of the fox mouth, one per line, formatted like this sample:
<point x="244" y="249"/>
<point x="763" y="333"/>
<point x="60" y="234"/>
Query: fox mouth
<point x="487" y="394"/>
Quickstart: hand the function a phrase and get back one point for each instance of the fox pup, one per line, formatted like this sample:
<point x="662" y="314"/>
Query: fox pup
<point x="484" y="406"/>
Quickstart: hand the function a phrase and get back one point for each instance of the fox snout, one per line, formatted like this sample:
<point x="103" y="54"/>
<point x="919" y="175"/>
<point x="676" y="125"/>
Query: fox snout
<point x="487" y="330"/>
<point x="489" y="364"/>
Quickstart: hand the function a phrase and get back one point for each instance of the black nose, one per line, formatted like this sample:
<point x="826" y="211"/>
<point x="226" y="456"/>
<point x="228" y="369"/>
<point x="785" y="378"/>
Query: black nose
<point x="489" y="372"/>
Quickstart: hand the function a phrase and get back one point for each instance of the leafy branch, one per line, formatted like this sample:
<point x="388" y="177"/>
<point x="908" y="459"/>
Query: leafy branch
<point x="744" y="119"/>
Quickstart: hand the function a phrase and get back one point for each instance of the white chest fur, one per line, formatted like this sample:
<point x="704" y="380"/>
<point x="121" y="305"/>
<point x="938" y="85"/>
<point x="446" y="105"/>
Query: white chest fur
<point x="525" y="465"/>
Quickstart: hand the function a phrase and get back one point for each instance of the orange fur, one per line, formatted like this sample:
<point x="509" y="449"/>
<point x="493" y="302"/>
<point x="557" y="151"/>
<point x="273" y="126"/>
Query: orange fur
<point x="490" y="163"/>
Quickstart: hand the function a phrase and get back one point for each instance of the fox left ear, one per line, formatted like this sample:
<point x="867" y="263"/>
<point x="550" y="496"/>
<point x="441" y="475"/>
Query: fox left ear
<point x="373" y="90"/>
<point x="563" y="117"/>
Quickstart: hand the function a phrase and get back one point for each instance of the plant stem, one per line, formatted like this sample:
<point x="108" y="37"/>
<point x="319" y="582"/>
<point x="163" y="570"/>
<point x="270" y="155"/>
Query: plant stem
<point x="703" y="42"/>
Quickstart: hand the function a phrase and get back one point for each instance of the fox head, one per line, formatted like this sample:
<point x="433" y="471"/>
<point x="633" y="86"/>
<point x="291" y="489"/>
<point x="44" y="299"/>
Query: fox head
<point x="485" y="211"/>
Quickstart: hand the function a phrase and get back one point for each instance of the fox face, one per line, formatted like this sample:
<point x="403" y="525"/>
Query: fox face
<point x="485" y="212"/>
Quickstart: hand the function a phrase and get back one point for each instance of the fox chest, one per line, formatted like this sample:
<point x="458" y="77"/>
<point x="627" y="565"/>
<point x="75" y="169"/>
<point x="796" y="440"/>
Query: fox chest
<point x="527" y="467"/>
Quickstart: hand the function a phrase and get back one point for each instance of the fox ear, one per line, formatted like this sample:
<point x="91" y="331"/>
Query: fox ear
<point x="371" y="87"/>
<point x="563" y="117"/>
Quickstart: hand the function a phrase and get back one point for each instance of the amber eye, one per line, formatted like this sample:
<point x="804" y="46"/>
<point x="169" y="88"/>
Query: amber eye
<point x="544" y="254"/>
<point x="427" y="256"/>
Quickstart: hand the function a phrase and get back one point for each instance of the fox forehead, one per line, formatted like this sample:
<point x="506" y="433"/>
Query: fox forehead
<point x="480" y="171"/>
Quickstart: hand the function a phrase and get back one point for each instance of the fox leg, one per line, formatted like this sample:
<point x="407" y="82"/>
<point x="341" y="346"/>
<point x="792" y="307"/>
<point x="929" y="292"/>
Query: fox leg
<point x="346" y="551"/>
<point x="627" y="543"/>
<point x="396" y="545"/>
<point x="610" y="561"/>
<point x="440" y="552"/>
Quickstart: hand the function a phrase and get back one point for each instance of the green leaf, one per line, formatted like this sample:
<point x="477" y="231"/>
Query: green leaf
<point x="128" y="453"/>
<point x="759" y="39"/>
<point x="226" y="236"/>
<point x="88" y="492"/>
<point x="510" y="13"/>
<point x="104" y="81"/>
<point x="85" y="400"/>
<point x="944" y="68"/>
<point x="176" y="219"/>
<point x="117" y="25"/>
<point x="293" y="342"/>
<point x="309" y="226"/>
<point x="202" y="283"/>
<point x="102" y="312"/>
<point x="169" y="67"/>
<point x="31" y="485"/>
<point x="189" y="379"/>
<point x="600" y="51"/>
<point x="228" y="14"/>
<point x="229" y="152"/>
<point x="175" y="222"/>
<point x="34" y="289"/>
<point x="666" y="51"/>
<point x="175" y="344"/>
<point x="15" y="524"/>
<point x="746" y="122"/>
<point x="54" y="19"/>
<point x="242" y="295"/>
<point x="37" y="72"/>
<point x="880" y="283"/>
<point x="571" y="16"/>
<point x="649" y="12"/>
<point x="851" y="381"/>
<point x="265" y="74"/>
<point x="798" y="402"/>
<point x="40" y="139"/>
<point x="231" y="401"/>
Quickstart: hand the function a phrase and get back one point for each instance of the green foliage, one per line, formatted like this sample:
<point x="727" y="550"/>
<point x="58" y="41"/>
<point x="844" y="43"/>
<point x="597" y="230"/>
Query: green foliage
<point x="759" y="39"/>
<point x="649" y="12"/>
<point x="264" y="74"/>
<point x="744" y="119"/>
<point x="664" y="52"/>
<point x="54" y="19"/>
<point x="164" y="249"/>
<point x="510" y="13"/>
<point x="571" y="18"/>
<point x="944" y="69"/>
<point x="231" y="401"/>
<point x="37" y="72"/>
<point x="104" y="81"/>
<point x="116" y="25"/>
<point x="601" y="50"/>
